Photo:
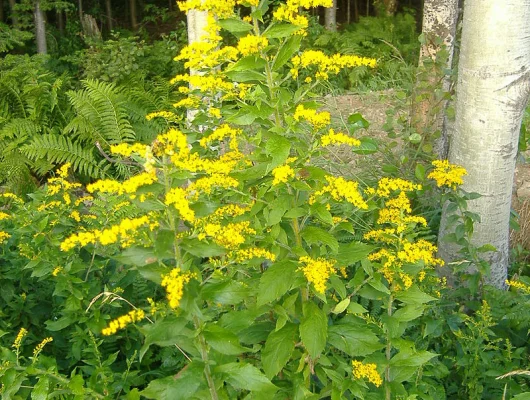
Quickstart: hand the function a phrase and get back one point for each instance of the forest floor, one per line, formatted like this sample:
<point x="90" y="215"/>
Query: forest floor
<point x="373" y="107"/>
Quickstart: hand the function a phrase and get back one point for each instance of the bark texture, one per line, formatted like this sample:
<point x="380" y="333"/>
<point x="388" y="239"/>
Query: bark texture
<point x="40" y="29"/>
<point x="14" y="19"/>
<point x="197" y="23"/>
<point x="440" y="18"/>
<point x="330" y="17"/>
<point x="492" y="92"/>
<point x="108" y="8"/>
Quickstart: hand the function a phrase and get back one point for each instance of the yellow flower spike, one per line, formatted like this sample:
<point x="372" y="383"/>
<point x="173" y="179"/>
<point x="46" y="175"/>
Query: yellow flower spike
<point x="4" y="215"/>
<point x="518" y="285"/>
<point x="20" y="337"/>
<point x="446" y="174"/>
<point x="178" y="198"/>
<point x="251" y="44"/>
<point x="122" y="322"/>
<point x="56" y="271"/>
<point x="332" y="138"/>
<point x="174" y="284"/>
<point x="38" y="349"/>
<point x="317" y="271"/>
<point x="282" y="174"/>
<point x="4" y="236"/>
<point x="368" y="371"/>
<point x="318" y="120"/>
<point x="341" y="189"/>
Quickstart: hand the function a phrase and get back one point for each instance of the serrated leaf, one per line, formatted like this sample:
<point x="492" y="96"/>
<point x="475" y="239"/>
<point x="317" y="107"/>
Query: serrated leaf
<point x="234" y="25"/>
<point x="313" y="235"/>
<point x="280" y="30"/>
<point x="353" y="252"/>
<point x="246" y="76"/>
<point x="278" y="349"/>
<point x="341" y="306"/>
<point x="165" y="332"/>
<point x="353" y="338"/>
<point x="278" y="148"/>
<point x="203" y="249"/>
<point x="179" y="387"/>
<point x="245" y="377"/>
<point x="138" y="256"/>
<point x="409" y="312"/>
<point x="313" y="329"/>
<point x="222" y="340"/>
<point x="41" y="388"/>
<point x="276" y="281"/>
<point x="289" y="47"/>
<point x="414" y="295"/>
<point x="367" y="146"/>
<point x="248" y="63"/>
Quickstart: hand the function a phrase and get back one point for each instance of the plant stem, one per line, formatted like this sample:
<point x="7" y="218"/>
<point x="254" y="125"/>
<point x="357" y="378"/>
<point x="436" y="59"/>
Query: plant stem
<point x="388" y="351"/>
<point x="204" y="356"/>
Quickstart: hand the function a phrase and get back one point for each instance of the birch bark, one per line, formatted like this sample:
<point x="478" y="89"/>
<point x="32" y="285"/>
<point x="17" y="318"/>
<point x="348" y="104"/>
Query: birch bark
<point x="492" y="91"/>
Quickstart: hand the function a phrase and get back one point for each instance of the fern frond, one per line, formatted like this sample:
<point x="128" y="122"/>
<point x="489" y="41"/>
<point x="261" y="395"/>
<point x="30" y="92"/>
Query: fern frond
<point x="60" y="149"/>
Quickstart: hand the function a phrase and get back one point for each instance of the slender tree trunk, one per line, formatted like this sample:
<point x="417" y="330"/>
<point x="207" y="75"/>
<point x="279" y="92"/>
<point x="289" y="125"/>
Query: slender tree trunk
<point x="80" y="10"/>
<point x="367" y="8"/>
<point x="108" y="10"/>
<point x="356" y="10"/>
<point x="132" y="10"/>
<point x="197" y="23"/>
<point x="60" y="21"/>
<point x="14" y="19"/>
<point x="492" y="91"/>
<point x="330" y="17"/>
<point x="440" y="18"/>
<point x="40" y="29"/>
<point x="348" y="12"/>
<point x="170" y="5"/>
<point x="1" y="10"/>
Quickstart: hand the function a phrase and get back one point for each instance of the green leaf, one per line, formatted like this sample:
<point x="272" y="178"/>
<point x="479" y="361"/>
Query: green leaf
<point x="248" y="63"/>
<point x="41" y="388"/>
<point x="245" y="377"/>
<point x="203" y="249"/>
<point x="278" y="349"/>
<point x="313" y="235"/>
<point x="278" y="148"/>
<point x="313" y="329"/>
<point x="406" y="363"/>
<point x="77" y="385"/>
<point x="368" y="146"/>
<point x="222" y="340"/>
<point x="276" y="281"/>
<point x="138" y="256"/>
<point x="242" y="117"/>
<point x="353" y="338"/>
<point x="234" y="25"/>
<point x="356" y="308"/>
<point x="341" y="306"/>
<point x="61" y="323"/>
<point x="522" y="396"/>
<point x="246" y="76"/>
<point x="356" y="121"/>
<point x="419" y="172"/>
<point x="165" y="332"/>
<point x="353" y="252"/>
<point x="414" y="295"/>
<point x="180" y="387"/>
<point x="322" y="213"/>
<point x="280" y="30"/>
<point x="409" y="312"/>
<point x="289" y="47"/>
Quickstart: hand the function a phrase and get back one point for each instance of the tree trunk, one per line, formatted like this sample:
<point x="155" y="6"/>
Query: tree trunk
<point x="197" y="23"/>
<point x="132" y="10"/>
<point x="108" y="8"/>
<point x="330" y="17"/>
<point x="492" y="91"/>
<point x="60" y="21"/>
<point x="80" y="10"/>
<point x="40" y="29"/>
<point x="14" y="19"/>
<point x="1" y="10"/>
<point x="430" y="100"/>
<point x="348" y="12"/>
<point x="355" y="11"/>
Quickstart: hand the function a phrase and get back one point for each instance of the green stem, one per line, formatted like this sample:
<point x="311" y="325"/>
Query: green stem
<point x="204" y="356"/>
<point x="388" y="351"/>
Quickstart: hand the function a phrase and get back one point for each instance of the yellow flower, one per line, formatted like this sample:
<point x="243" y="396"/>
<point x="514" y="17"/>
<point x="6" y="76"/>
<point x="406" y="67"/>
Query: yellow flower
<point x="122" y="322"/>
<point x="126" y="149"/>
<point x="251" y="44"/>
<point x="518" y="285"/>
<point x="178" y="197"/>
<point x="56" y="271"/>
<point x="282" y="174"/>
<point x="253" y="252"/>
<point x="338" y="138"/>
<point x="446" y="174"/>
<point x="37" y="350"/>
<point x="387" y="186"/>
<point x="18" y="340"/>
<point x="174" y="283"/>
<point x="317" y="271"/>
<point x="318" y="120"/>
<point x="341" y="189"/>
<point x="368" y="371"/>
<point x="4" y="236"/>
<point x="3" y="215"/>
<point x="129" y="186"/>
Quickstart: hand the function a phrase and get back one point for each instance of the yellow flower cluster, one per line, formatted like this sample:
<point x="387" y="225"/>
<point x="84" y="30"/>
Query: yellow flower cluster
<point x="341" y="189"/>
<point x="338" y="138"/>
<point x="124" y="232"/>
<point x="251" y="44"/>
<point x="317" y="271"/>
<point x="206" y="184"/>
<point x="121" y="322"/>
<point x="221" y="133"/>
<point x="446" y="174"/>
<point x="18" y="340"/>
<point x="37" y="350"/>
<point x="178" y="197"/>
<point x="13" y="197"/>
<point x="206" y="55"/>
<point x="290" y="12"/>
<point x="3" y="215"/>
<point x="318" y="120"/>
<point x="368" y="371"/>
<point x="231" y="210"/>
<point x="174" y="283"/>
<point x="386" y="186"/>
<point x="56" y="271"/>
<point x="172" y="140"/>
<point x="282" y="174"/>
<point x="129" y="186"/>
<point x="419" y="251"/>
<point x="221" y="9"/>
<point x="325" y="64"/>
<point x="126" y="149"/>
<point x="518" y="285"/>
<point x="4" y="236"/>
<point x="387" y="235"/>
<point x="242" y="255"/>
<point x="189" y="102"/>
<point x="230" y="236"/>
<point x="167" y="115"/>
<point x="205" y="83"/>
<point x="58" y="183"/>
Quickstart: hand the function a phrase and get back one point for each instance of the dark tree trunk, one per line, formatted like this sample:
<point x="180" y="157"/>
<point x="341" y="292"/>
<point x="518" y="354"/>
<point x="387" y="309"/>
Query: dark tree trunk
<point x="132" y="10"/>
<point x="108" y="8"/>
<point x="14" y="19"/>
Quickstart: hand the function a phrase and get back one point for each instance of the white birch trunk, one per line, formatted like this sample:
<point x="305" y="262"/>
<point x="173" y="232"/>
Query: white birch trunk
<point x="440" y="18"/>
<point x="197" y="23"/>
<point x="40" y="29"/>
<point x="492" y="91"/>
<point x="330" y="17"/>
